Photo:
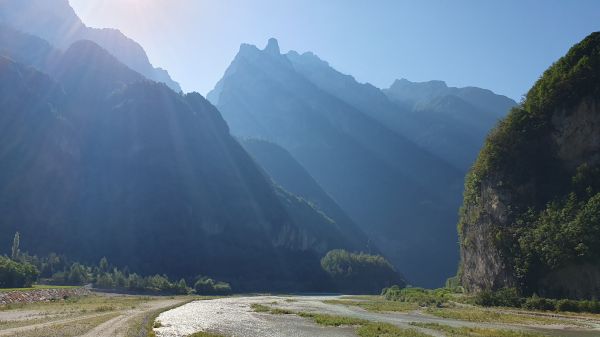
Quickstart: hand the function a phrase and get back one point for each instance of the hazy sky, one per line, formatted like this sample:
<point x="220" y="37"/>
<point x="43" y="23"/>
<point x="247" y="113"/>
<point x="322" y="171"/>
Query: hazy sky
<point x="502" y="45"/>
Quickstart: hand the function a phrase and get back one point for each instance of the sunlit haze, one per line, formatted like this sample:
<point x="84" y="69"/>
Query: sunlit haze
<point x="503" y="46"/>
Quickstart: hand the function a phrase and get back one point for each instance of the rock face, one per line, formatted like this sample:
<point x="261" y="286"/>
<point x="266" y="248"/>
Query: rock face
<point x="56" y="22"/>
<point x="530" y="214"/>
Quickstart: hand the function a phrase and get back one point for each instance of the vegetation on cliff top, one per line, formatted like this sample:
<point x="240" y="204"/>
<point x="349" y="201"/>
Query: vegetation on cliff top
<point x="555" y="210"/>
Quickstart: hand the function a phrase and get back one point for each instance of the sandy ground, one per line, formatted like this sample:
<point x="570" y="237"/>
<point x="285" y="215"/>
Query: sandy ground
<point x="114" y="327"/>
<point x="234" y="317"/>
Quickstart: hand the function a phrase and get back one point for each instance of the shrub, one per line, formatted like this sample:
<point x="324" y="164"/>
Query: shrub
<point x="539" y="303"/>
<point x="15" y="274"/>
<point x="505" y="297"/>
<point x="208" y="286"/>
<point x="424" y="297"/>
<point x="568" y="305"/>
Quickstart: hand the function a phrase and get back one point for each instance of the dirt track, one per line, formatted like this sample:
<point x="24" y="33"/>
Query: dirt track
<point x="114" y="327"/>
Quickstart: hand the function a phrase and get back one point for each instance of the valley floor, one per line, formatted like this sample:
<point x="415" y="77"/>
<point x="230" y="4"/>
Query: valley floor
<point x="309" y="316"/>
<point x="102" y="315"/>
<point x="269" y="316"/>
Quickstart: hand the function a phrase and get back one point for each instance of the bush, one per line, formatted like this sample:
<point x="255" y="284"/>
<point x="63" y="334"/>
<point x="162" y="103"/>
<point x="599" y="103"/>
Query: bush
<point x="506" y="297"/>
<point x="567" y="305"/>
<point x="539" y="303"/>
<point x="16" y="275"/>
<point x="208" y="286"/>
<point x="424" y="297"/>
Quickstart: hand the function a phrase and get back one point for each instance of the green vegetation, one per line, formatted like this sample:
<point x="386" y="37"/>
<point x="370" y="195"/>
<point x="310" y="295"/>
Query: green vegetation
<point x="478" y="314"/>
<point x="423" y="297"/>
<point x="24" y="269"/>
<point x="475" y="332"/>
<point x="387" y="330"/>
<point x="376" y="304"/>
<point x="359" y="273"/>
<point x="556" y="209"/>
<point x="205" y="334"/>
<point x="256" y="307"/>
<point x="332" y="320"/>
<point x="509" y="297"/>
<point x="208" y="286"/>
<point x="365" y="327"/>
<point x="37" y="287"/>
<point x="506" y="297"/>
<point x="15" y="274"/>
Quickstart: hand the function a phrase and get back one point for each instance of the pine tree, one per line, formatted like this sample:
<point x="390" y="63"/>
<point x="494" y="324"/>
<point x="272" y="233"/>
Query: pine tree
<point x="15" y="247"/>
<point x="103" y="265"/>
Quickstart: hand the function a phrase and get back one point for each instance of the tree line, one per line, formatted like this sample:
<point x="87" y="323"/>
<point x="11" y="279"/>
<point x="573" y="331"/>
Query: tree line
<point x="22" y="270"/>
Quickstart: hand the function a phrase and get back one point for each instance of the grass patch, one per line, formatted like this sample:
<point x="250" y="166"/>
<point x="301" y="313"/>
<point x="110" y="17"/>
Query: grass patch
<point x="279" y="311"/>
<point x="256" y="307"/>
<point x="387" y="330"/>
<point x="32" y="321"/>
<point x="206" y="334"/>
<point x="259" y="307"/>
<point x="332" y="320"/>
<point x="85" y="304"/>
<point x="475" y="332"/>
<point x="70" y="329"/>
<point x="377" y="305"/>
<point x="37" y="287"/>
<point x="492" y="316"/>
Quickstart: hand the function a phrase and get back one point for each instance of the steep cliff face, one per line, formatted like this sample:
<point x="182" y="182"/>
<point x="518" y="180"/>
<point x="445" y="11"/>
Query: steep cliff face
<point x="531" y="208"/>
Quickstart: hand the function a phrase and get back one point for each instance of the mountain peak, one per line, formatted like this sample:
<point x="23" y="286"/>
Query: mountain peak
<point x="272" y="47"/>
<point x="433" y="84"/>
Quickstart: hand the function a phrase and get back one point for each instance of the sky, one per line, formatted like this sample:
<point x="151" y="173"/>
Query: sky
<point x="502" y="45"/>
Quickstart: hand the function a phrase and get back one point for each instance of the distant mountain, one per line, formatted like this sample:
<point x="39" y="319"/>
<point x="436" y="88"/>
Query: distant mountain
<point x="56" y="22"/>
<point x="531" y="212"/>
<point x="415" y="93"/>
<point x="450" y="123"/>
<point x="401" y="195"/>
<point x="95" y="161"/>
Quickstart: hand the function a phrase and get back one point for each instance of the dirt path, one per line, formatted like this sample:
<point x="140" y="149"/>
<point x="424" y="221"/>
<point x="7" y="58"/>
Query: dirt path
<point x="115" y="327"/>
<point x="112" y="328"/>
<point x="15" y="331"/>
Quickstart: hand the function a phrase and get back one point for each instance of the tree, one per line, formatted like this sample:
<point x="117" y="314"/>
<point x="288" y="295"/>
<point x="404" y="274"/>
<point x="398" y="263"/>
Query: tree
<point x="15" y="246"/>
<point x="16" y="275"/>
<point x="359" y="272"/>
<point x="105" y="281"/>
<point x="78" y="274"/>
<point x="182" y="287"/>
<point x="103" y="265"/>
